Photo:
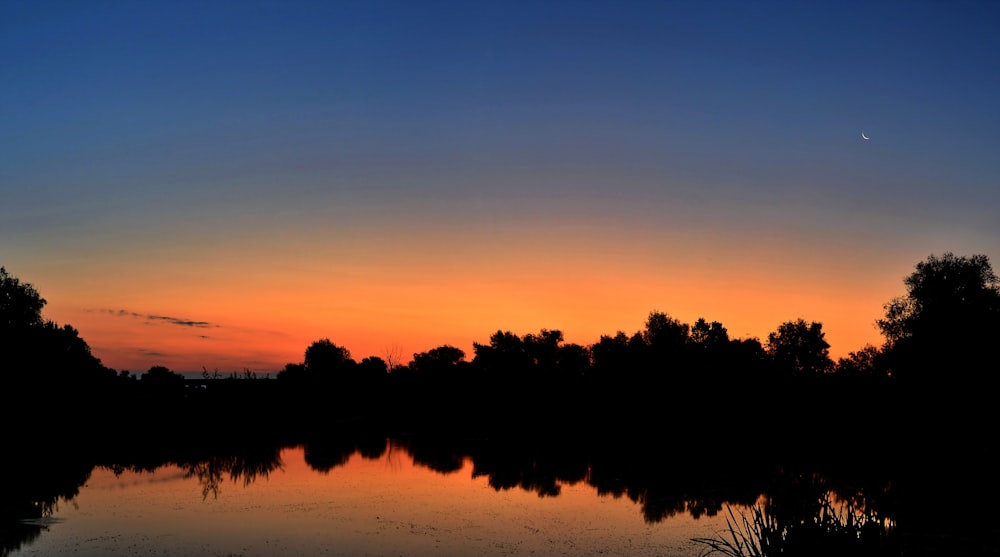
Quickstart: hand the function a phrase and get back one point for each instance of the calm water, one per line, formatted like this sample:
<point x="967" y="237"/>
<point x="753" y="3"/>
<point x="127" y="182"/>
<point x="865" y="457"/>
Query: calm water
<point x="384" y="505"/>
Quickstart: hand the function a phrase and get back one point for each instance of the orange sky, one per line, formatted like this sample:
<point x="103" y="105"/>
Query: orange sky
<point x="218" y="185"/>
<point x="259" y="309"/>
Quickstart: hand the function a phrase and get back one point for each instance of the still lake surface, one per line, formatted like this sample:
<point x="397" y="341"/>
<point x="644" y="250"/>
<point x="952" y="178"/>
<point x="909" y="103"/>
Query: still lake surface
<point x="385" y="503"/>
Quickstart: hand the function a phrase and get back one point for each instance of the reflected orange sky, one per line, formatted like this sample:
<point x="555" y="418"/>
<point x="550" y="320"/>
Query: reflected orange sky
<point x="387" y="506"/>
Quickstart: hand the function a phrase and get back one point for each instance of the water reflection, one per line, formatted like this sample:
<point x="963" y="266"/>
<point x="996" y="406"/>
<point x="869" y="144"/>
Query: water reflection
<point x="761" y="507"/>
<point x="244" y="469"/>
<point x="833" y="527"/>
<point x="33" y="489"/>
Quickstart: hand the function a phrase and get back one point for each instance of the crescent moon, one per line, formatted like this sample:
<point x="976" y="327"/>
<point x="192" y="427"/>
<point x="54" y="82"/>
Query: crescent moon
<point x="863" y="136"/>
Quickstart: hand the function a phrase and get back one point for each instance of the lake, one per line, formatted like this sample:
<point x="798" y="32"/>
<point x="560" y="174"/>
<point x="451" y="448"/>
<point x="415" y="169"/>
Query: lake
<point x="349" y="491"/>
<point x="384" y="503"/>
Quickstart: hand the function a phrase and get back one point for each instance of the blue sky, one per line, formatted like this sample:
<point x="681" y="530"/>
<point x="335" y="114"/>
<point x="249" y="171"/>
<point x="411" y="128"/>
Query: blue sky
<point x="669" y="135"/>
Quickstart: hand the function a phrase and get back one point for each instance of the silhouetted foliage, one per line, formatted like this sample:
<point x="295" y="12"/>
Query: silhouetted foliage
<point x="440" y="360"/>
<point x="667" y="339"/>
<point x="572" y="363"/>
<point x="947" y="324"/>
<point x="624" y="390"/>
<point x="161" y="378"/>
<point x="48" y="370"/>
<point x="324" y="356"/>
<point x="620" y="353"/>
<point x="799" y="348"/>
<point x="868" y="361"/>
<point x="504" y="354"/>
<point x="20" y="304"/>
<point x="709" y="337"/>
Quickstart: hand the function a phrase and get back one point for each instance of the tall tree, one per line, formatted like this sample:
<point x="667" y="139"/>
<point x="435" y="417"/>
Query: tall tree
<point x="948" y="320"/>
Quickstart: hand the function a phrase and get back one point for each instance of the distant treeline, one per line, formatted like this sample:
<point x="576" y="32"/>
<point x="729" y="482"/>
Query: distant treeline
<point x="940" y="339"/>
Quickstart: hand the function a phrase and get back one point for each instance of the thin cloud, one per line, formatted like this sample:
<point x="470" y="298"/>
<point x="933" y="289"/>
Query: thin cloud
<point x="179" y="321"/>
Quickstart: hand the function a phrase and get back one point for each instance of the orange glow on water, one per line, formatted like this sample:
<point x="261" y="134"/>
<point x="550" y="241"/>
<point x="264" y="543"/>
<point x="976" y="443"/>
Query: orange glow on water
<point x="387" y="506"/>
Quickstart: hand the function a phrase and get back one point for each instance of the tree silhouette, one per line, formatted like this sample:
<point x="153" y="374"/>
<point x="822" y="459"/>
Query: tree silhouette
<point x="437" y="361"/>
<point x="323" y="356"/>
<point x="543" y="349"/>
<point x="799" y="348"/>
<point x="162" y="379"/>
<point x="504" y="354"/>
<point x="665" y="335"/>
<point x="864" y="362"/>
<point x="948" y="321"/>
<point x="709" y="336"/>
<point x="20" y="304"/>
<point x="30" y="344"/>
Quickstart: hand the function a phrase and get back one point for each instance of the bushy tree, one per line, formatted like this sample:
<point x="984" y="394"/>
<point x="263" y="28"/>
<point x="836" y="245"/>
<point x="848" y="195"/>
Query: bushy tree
<point x="437" y="360"/>
<point x="712" y="337"/>
<point x="20" y="304"/>
<point x="948" y="322"/>
<point x="504" y="354"/>
<point x="30" y="344"/>
<point x="543" y="348"/>
<point x="664" y="333"/>
<point x="947" y="295"/>
<point x="799" y="348"/>
<point x="162" y="379"/>
<point x="323" y="356"/>
<point x="866" y="362"/>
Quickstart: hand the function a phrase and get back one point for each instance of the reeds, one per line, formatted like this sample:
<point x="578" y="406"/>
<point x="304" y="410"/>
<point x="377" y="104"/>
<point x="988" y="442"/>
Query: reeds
<point x="746" y="536"/>
<point x="836" y="528"/>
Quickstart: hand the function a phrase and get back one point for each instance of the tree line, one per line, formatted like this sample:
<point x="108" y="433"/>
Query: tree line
<point x="940" y="337"/>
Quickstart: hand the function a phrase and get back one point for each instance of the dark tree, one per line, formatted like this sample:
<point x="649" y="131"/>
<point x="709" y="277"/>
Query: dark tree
<point x="20" y="304"/>
<point x="29" y="344"/>
<point x="947" y="323"/>
<point x="664" y="334"/>
<point x="438" y="360"/>
<point x="617" y="360"/>
<point x="940" y="290"/>
<point x="865" y="362"/>
<point x="324" y="357"/>
<point x="543" y="348"/>
<point x="161" y="378"/>
<point x="504" y="354"/>
<point x="373" y="367"/>
<point x="292" y="373"/>
<point x="710" y="337"/>
<point x="572" y="362"/>
<point x="800" y="349"/>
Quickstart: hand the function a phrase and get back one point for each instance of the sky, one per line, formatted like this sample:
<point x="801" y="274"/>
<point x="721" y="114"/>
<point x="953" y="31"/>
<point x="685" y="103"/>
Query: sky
<point x="214" y="185"/>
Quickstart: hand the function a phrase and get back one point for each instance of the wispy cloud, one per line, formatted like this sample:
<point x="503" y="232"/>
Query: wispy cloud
<point x="149" y="317"/>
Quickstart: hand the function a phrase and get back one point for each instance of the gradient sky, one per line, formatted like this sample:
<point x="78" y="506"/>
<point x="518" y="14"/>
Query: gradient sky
<point x="217" y="184"/>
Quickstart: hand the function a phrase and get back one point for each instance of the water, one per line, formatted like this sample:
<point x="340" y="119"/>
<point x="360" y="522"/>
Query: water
<point x="384" y="504"/>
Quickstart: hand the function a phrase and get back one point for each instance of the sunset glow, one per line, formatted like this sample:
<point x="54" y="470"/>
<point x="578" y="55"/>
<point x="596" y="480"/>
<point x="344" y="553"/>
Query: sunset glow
<point x="217" y="186"/>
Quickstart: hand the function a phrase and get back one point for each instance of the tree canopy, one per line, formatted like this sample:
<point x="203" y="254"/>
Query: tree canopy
<point x="800" y="348"/>
<point x="20" y="304"/>
<point x="948" y="319"/>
